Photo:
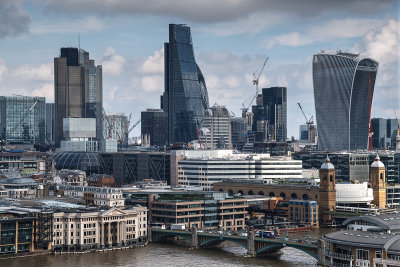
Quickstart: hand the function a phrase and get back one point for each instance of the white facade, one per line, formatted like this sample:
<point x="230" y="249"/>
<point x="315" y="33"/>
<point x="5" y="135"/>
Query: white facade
<point x="204" y="171"/>
<point x="85" y="230"/>
<point x="354" y="193"/>
<point x="99" y="196"/>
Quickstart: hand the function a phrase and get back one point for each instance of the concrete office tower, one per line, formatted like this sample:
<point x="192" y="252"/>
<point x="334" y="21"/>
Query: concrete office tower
<point x="343" y="91"/>
<point x="78" y="89"/>
<point x="185" y="97"/>
<point x="22" y="119"/>
<point x="154" y="125"/>
<point x="217" y="120"/>
<point x="93" y="90"/>
<point x="69" y="89"/>
<point x="385" y="131"/>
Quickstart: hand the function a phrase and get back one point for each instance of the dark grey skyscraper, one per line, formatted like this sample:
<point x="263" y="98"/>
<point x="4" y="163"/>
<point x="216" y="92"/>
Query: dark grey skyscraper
<point x="270" y="115"/>
<point x="343" y="91"/>
<point x="185" y="97"/>
<point x="50" y="122"/>
<point x="77" y="89"/>
<point x="154" y="123"/>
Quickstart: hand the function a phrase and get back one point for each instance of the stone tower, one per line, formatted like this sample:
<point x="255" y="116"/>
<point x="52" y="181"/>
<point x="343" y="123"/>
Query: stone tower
<point x="377" y="182"/>
<point x="327" y="191"/>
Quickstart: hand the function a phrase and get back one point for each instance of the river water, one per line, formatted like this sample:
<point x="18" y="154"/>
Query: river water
<point x="161" y="254"/>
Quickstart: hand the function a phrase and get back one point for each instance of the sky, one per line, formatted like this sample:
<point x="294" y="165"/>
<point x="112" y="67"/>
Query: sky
<point x="231" y="40"/>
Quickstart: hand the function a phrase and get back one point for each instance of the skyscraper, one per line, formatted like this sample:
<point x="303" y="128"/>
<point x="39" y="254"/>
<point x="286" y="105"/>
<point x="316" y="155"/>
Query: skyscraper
<point x="343" y="91"/>
<point x="185" y="97"/>
<point x="154" y="124"/>
<point x="50" y="122"/>
<point x="270" y="115"/>
<point x="77" y="89"/>
<point x="22" y="119"/>
<point x="217" y="121"/>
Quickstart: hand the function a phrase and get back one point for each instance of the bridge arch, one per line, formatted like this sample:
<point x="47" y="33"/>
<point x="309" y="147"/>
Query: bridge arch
<point x="283" y="195"/>
<point x="222" y="239"/>
<point x="240" y="192"/>
<point x="258" y="251"/>
<point x="250" y="192"/>
<point x="315" y="256"/>
<point x="293" y="196"/>
<point x="305" y="197"/>
<point x="158" y="237"/>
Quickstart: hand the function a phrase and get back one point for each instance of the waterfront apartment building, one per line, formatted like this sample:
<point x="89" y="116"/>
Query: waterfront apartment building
<point x="199" y="211"/>
<point x="303" y="212"/>
<point x="85" y="229"/>
<point x="214" y="166"/>
<point x="343" y="91"/>
<point x="24" y="230"/>
<point x="185" y="98"/>
<point x="369" y="240"/>
<point x="216" y="132"/>
<point x="23" y="119"/>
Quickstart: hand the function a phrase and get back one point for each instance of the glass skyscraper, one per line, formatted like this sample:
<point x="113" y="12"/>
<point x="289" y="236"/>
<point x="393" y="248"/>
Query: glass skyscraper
<point x="22" y="119"/>
<point x="185" y="97"/>
<point x="343" y="91"/>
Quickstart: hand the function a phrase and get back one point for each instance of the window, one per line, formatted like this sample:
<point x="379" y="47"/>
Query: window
<point x="378" y="254"/>
<point x="362" y="254"/>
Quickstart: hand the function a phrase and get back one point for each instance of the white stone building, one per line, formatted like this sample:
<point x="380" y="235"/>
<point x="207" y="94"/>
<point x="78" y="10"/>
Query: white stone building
<point x="80" y="230"/>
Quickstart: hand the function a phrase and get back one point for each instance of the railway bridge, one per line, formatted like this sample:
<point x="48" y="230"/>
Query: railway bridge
<point x="254" y="245"/>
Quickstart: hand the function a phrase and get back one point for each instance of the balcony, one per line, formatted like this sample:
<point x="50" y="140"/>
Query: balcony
<point x="334" y="264"/>
<point x="338" y="255"/>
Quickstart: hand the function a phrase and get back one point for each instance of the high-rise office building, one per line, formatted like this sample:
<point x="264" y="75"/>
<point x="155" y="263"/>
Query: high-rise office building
<point x="384" y="133"/>
<point x="22" y="119"/>
<point x="185" y="97"/>
<point x="217" y="132"/>
<point x="270" y="115"/>
<point x="239" y="128"/>
<point x="154" y="124"/>
<point x="77" y="89"/>
<point x="343" y="90"/>
<point x="50" y="122"/>
<point x="93" y="90"/>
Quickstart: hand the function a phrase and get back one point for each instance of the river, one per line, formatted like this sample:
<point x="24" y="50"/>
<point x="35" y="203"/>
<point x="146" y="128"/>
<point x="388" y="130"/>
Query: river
<point x="159" y="254"/>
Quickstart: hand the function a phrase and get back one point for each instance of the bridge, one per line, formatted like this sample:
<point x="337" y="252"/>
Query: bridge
<point x="254" y="245"/>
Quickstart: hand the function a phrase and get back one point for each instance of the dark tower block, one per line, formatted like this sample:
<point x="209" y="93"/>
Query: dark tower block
<point x="378" y="183"/>
<point x="327" y="191"/>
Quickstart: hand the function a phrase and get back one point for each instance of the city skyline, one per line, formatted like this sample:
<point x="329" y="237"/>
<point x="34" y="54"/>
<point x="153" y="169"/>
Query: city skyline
<point x="128" y="42"/>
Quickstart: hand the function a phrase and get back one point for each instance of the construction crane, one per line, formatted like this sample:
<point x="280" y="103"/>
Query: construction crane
<point x="256" y="78"/>
<point x="109" y="124"/>
<point x="126" y="134"/>
<point x="309" y="122"/>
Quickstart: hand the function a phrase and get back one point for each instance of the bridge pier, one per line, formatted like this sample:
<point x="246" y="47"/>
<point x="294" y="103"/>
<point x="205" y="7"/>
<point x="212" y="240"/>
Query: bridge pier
<point x="251" y="244"/>
<point x="321" y="257"/>
<point x="195" y="243"/>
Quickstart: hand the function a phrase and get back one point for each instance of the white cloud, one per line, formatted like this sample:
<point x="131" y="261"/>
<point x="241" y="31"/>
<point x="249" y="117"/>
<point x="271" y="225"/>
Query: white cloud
<point x="42" y="72"/>
<point x="47" y="90"/>
<point x="154" y="64"/>
<point x="3" y="69"/>
<point x="83" y="25"/>
<point x="112" y="63"/>
<point x="112" y="92"/>
<point x="153" y="83"/>
<point x="13" y="19"/>
<point x="329" y="31"/>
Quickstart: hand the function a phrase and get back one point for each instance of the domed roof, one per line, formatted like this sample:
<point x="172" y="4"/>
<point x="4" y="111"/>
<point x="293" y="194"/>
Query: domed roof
<point x="327" y="164"/>
<point x="84" y="161"/>
<point x="377" y="163"/>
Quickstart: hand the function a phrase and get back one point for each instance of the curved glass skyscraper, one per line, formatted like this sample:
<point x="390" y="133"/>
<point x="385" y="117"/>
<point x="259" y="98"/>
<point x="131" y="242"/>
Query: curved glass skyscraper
<point x="343" y="91"/>
<point x="185" y="97"/>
